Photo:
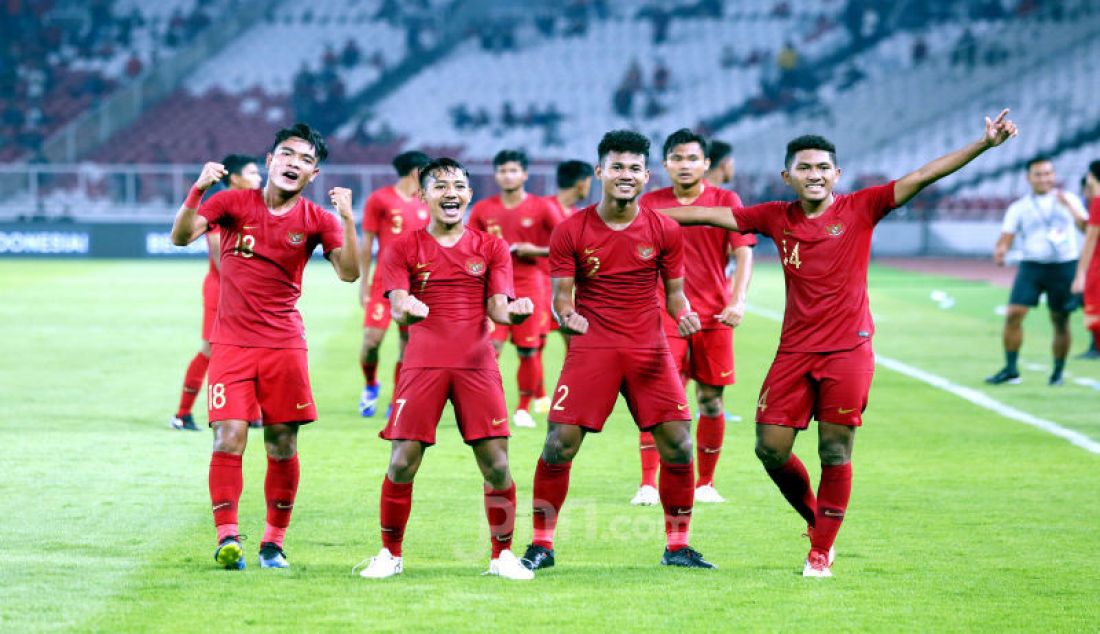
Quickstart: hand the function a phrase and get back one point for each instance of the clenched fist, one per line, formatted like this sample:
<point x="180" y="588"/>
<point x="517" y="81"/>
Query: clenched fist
<point x="574" y="324"/>
<point x="520" y="310"/>
<point x="688" y="324"/>
<point x="341" y="199"/>
<point x="731" y="315"/>
<point x="413" y="310"/>
<point x="211" y="173"/>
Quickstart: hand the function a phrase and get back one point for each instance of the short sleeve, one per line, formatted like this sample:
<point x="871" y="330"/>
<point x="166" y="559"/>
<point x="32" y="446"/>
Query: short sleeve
<point x="332" y="233"/>
<point x="562" y="262"/>
<point x="1011" y="223"/>
<point x="671" y="259"/>
<point x="372" y="214"/>
<point x="758" y="218"/>
<point x="395" y="269"/>
<point x="500" y="268"/>
<point x="218" y="209"/>
<point x="876" y="201"/>
<point x="1094" y="212"/>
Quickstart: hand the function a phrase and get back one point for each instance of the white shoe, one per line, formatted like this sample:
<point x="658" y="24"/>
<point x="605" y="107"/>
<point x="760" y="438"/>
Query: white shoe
<point x="646" y="496"/>
<point x="522" y="419"/>
<point x="707" y="494"/>
<point x="817" y="566"/>
<point x="382" y="566"/>
<point x="541" y="405"/>
<point x="507" y="565"/>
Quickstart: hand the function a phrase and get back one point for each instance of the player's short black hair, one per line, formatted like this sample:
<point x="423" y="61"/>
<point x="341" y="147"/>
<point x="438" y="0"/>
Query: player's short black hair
<point x="681" y="137"/>
<point x="627" y="141"/>
<point x="510" y="156"/>
<point x="442" y="164"/>
<point x="572" y="172"/>
<point x="234" y="163"/>
<point x="809" y="142"/>
<point x="1035" y="160"/>
<point x="1094" y="169"/>
<point x="717" y="151"/>
<point x="406" y="162"/>
<point x="309" y="135"/>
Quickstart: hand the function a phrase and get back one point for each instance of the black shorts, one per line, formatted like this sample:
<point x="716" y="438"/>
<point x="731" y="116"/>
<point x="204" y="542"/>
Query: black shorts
<point x="1054" y="279"/>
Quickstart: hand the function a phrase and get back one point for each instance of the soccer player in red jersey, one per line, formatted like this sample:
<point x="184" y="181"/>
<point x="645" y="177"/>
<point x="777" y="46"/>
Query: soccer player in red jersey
<point x="1087" y="278"/>
<point x="824" y="364"/>
<point x="525" y="222"/>
<point x="706" y="356"/>
<point x="389" y="213"/>
<point x="446" y="282"/>
<point x="612" y="254"/>
<point x="574" y="181"/>
<point x="241" y="173"/>
<point x="258" y="347"/>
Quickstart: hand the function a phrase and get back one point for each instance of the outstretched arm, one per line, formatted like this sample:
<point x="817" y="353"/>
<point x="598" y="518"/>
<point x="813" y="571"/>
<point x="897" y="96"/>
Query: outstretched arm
<point x="997" y="131"/>
<point x="714" y="216"/>
<point x="188" y="224"/>
<point x="345" y="259"/>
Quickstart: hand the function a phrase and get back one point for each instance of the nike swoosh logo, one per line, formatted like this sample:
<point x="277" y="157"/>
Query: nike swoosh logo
<point x="283" y="507"/>
<point x="681" y="407"/>
<point x="498" y="421"/>
<point x="726" y="373"/>
<point x="303" y="405"/>
<point x="421" y="265"/>
<point x="683" y="511"/>
<point x="249" y="227"/>
<point x="591" y="251"/>
<point x="222" y="505"/>
<point x="841" y="410"/>
<point x="787" y="233"/>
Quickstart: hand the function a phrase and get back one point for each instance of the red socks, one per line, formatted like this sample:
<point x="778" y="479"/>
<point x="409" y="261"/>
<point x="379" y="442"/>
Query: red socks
<point x="832" y="502"/>
<point x="551" y="485"/>
<point x="651" y="459"/>
<point x="192" y="383"/>
<point x="500" y="510"/>
<point x="677" y="497"/>
<point x="370" y="372"/>
<point x="540" y="384"/>
<point x="394" y="515"/>
<point x="794" y="484"/>
<point x="526" y="377"/>
<point x="708" y="445"/>
<point x="226" y="483"/>
<point x="280" y="488"/>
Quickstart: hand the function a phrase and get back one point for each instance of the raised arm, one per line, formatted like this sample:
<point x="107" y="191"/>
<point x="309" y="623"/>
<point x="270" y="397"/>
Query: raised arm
<point x="406" y="309"/>
<point x="345" y="259"/>
<point x="687" y="321"/>
<point x="721" y="217"/>
<point x="188" y="224"/>
<point x="997" y="131"/>
<point x="509" y="313"/>
<point x="565" y="311"/>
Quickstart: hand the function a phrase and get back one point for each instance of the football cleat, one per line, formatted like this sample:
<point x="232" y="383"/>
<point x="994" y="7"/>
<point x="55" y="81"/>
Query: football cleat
<point x="1056" y="380"/>
<point x="368" y="401"/>
<point x="229" y="554"/>
<point x="1091" y="353"/>
<point x="541" y="405"/>
<point x="646" y="496"/>
<point x="686" y="557"/>
<point x="537" y="558"/>
<point x="817" y="565"/>
<point x="1004" y="376"/>
<point x="382" y="566"/>
<point x="183" y="423"/>
<point x="809" y="534"/>
<point x="522" y="419"/>
<point x="506" y="565"/>
<point x="707" y="494"/>
<point x="272" y="556"/>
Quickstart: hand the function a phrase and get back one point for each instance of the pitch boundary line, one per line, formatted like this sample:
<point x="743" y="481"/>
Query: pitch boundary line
<point x="968" y="394"/>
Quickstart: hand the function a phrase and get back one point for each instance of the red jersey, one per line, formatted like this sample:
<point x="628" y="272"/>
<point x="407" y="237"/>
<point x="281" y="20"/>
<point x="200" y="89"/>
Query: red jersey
<point x="616" y="275"/>
<point x="706" y="251"/>
<point x="561" y="214"/>
<point x="1094" y="221"/>
<point x="455" y="282"/>
<point x="533" y="220"/>
<point x="262" y="258"/>
<point x="387" y="215"/>
<point x="824" y="266"/>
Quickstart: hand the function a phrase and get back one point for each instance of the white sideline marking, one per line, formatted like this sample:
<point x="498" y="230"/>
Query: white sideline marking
<point x="968" y="394"/>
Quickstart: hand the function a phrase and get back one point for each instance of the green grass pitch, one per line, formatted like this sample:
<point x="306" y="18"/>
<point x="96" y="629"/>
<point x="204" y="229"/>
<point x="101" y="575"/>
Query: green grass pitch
<point x="960" y="520"/>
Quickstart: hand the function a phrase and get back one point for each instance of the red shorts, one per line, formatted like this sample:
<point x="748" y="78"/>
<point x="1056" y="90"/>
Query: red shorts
<point x="592" y="378"/>
<point x="377" y="311"/>
<point x="706" y="356"/>
<point x="529" y="334"/>
<point x="477" y="396"/>
<point x="1092" y="294"/>
<point x="272" y="381"/>
<point x="211" y="288"/>
<point x="830" y="386"/>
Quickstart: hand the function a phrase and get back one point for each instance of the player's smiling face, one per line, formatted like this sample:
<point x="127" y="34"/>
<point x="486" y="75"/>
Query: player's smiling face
<point x="447" y="194"/>
<point x="510" y="176"/>
<point x="1041" y="177"/>
<point x="686" y="164"/>
<point x="812" y="175"/>
<point x="292" y="165"/>
<point x="623" y="174"/>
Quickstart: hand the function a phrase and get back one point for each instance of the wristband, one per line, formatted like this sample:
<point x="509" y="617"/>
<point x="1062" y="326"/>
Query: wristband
<point x="194" y="198"/>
